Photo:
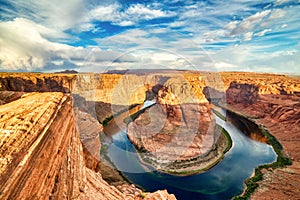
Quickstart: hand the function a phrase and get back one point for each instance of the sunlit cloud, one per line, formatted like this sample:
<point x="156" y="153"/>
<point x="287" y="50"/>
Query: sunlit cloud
<point x="88" y="35"/>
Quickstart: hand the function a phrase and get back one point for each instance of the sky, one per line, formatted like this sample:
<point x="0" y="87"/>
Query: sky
<point x="93" y="36"/>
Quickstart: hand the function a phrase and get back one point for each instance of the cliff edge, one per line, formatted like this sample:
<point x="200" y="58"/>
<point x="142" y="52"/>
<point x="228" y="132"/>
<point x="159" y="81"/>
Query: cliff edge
<point x="43" y="157"/>
<point x="272" y="101"/>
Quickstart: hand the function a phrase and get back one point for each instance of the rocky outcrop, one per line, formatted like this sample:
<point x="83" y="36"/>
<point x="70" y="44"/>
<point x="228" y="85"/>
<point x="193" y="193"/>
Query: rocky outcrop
<point x="243" y="93"/>
<point x="35" y="82"/>
<point x="9" y="96"/>
<point x="42" y="153"/>
<point x="178" y="131"/>
<point x="89" y="129"/>
<point x="31" y="139"/>
<point x="266" y="83"/>
<point x="272" y="101"/>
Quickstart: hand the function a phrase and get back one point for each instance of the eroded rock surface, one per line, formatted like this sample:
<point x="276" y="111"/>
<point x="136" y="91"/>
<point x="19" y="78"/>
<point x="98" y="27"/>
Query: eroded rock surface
<point x="43" y="157"/>
<point x="180" y="128"/>
<point x="273" y="101"/>
<point x="36" y="82"/>
<point x="9" y="96"/>
<point x="38" y="129"/>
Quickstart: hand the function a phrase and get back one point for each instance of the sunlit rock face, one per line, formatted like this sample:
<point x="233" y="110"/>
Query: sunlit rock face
<point x="274" y="103"/>
<point x="179" y="127"/>
<point x="45" y="154"/>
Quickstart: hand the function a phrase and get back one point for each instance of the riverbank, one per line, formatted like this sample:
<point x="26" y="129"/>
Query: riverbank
<point x="109" y="171"/>
<point x="200" y="165"/>
<point x="252" y="183"/>
<point x="181" y="167"/>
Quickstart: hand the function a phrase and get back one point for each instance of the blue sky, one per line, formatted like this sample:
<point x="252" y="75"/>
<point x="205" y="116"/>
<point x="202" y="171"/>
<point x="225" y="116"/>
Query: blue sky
<point x="42" y="35"/>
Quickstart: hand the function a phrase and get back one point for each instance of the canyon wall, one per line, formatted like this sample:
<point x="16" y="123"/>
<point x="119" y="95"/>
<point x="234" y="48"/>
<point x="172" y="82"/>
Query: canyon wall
<point x="272" y="101"/>
<point x="42" y="121"/>
<point x="36" y="82"/>
<point x="178" y="133"/>
<point x="43" y="156"/>
<point x="117" y="89"/>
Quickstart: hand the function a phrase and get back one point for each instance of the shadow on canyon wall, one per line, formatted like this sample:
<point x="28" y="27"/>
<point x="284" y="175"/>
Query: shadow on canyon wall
<point x="45" y="84"/>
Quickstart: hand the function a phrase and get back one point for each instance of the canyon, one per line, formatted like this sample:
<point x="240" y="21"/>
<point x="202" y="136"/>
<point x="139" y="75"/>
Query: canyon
<point x="178" y="134"/>
<point x="274" y="103"/>
<point x="50" y="125"/>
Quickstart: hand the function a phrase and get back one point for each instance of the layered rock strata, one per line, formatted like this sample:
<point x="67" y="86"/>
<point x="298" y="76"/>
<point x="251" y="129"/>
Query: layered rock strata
<point x="9" y="96"/>
<point x="36" y="82"/>
<point x="275" y="105"/>
<point x="272" y="101"/>
<point x="178" y="134"/>
<point x="43" y="156"/>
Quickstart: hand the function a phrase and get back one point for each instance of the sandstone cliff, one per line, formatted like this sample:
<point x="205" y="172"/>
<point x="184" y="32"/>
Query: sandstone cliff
<point x="272" y="101"/>
<point x="178" y="134"/>
<point x="31" y="125"/>
<point x="9" y="96"/>
<point x="43" y="157"/>
<point x="35" y="82"/>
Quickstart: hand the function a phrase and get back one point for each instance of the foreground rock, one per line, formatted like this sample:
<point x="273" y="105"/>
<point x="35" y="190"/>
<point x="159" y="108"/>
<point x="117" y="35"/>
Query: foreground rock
<point x="9" y="96"/>
<point x="42" y="155"/>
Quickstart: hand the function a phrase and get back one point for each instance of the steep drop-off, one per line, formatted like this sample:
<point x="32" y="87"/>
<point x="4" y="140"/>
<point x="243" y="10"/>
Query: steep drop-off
<point x="272" y="101"/>
<point x="178" y="134"/>
<point x="43" y="157"/>
<point x="268" y="99"/>
<point x="36" y="82"/>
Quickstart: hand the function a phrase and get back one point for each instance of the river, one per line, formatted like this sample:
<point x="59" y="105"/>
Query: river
<point x="223" y="181"/>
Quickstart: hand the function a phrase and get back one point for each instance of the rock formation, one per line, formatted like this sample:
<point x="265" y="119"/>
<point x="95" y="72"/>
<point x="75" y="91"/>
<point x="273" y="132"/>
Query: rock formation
<point x="43" y="154"/>
<point x="25" y="82"/>
<point x="179" y="130"/>
<point x="272" y="101"/>
<point x="9" y="96"/>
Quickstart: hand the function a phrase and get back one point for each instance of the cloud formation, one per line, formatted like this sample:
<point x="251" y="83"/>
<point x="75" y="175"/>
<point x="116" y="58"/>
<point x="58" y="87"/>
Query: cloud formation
<point x="90" y="35"/>
<point x="128" y="17"/>
<point x="26" y="45"/>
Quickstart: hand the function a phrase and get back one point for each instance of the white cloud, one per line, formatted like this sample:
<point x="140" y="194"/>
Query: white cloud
<point x="263" y="32"/>
<point x="126" y="23"/>
<point x="140" y="11"/>
<point x="131" y="38"/>
<point x="177" y="24"/>
<point x="248" y="36"/>
<point x="247" y="24"/>
<point x="128" y="17"/>
<point x="213" y="36"/>
<point x="232" y="25"/>
<point x="86" y="27"/>
<point x="225" y="66"/>
<point x="61" y="15"/>
<point x="23" y="45"/>
<point x="278" y="2"/>
<point x="105" y="13"/>
<point x="250" y="57"/>
<point x="276" y="14"/>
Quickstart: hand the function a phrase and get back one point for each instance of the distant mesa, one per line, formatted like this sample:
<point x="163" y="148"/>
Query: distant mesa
<point x="67" y="72"/>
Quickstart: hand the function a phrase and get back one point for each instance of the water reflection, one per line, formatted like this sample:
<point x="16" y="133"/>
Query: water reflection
<point x="223" y="181"/>
<point x="117" y="123"/>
